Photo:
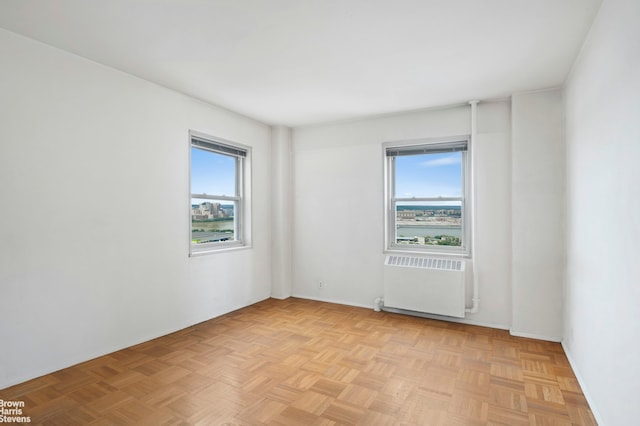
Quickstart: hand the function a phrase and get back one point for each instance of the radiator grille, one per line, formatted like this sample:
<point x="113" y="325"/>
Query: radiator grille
<point x="425" y="284"/>
<point x="425" y="263"/>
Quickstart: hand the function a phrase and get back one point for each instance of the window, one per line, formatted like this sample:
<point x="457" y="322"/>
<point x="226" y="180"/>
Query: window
<point x="219" y="170"/>
<point x="426" y="196"/>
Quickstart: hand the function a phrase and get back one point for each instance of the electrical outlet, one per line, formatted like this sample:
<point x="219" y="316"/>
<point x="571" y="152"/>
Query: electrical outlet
<point x="320" y="284"/>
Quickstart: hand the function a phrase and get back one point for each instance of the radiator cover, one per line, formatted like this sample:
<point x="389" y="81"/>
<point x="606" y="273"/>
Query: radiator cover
<point x="427" y="285"/>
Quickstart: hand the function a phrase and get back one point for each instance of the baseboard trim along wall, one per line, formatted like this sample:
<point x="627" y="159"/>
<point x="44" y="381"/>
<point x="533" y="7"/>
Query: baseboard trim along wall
<point x="399" y="311"/>
<point x="535" y="336"/>
<point x="583" y="386"/>
<point x="337" y="302"/>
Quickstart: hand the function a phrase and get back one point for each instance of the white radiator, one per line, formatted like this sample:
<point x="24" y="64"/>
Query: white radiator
<point x="428" y="285"/>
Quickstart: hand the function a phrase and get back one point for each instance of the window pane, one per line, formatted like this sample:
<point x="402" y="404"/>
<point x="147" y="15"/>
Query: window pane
<point x="212" y="173"/>
<point x="212" y="221"/>
<point x="429" y="223"/>
<point x="429" y="175"/>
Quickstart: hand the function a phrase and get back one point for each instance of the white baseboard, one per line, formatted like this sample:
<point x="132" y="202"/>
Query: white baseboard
<point x="536" y="336"/>
<point x="583" y="386"/>
<point x="337" y="302"/>
<point x="422" y="315"/>
<point x="79" y="359"/>
<point x="448" y="319"/>
<point x="280" y="296"/>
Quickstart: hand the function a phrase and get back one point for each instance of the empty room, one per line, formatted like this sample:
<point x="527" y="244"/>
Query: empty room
<point x="318" y="212"/>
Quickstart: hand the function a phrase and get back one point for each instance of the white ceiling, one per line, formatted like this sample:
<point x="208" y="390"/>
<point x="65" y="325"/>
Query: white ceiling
<point x="297" y="62"/>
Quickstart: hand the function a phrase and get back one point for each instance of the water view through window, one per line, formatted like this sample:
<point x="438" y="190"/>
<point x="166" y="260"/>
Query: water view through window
<point x="429" y="224"/>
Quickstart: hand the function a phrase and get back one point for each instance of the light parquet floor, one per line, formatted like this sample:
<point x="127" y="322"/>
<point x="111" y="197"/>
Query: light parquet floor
<point x="301" y="362"/>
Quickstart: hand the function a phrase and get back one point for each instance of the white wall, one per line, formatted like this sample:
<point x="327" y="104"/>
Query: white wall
<point x="338" y="204"/>
<point x="95" y="207"/>
<point x="602" y="323"/>
<point x="281" y="212"/>
<point x="538" y="205"/>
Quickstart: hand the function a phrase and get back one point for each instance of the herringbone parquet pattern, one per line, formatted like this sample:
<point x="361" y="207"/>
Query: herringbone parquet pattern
<point x="300" y="362"/>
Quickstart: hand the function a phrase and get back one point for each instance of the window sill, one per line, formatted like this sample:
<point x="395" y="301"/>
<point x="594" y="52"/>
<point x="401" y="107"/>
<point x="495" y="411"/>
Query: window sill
<point x="225" y="249"/>
<point x="427" y="252"/>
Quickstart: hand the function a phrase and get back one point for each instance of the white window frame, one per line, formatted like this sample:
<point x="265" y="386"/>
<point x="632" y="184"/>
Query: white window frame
<point x="390" y="198"/>
<point x="241" y="198"/>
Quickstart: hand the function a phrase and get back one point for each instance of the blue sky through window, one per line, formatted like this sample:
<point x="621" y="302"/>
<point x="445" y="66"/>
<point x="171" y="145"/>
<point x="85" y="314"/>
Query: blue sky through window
<point x="429" y="175"/>
<point x="212" y="173"/>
